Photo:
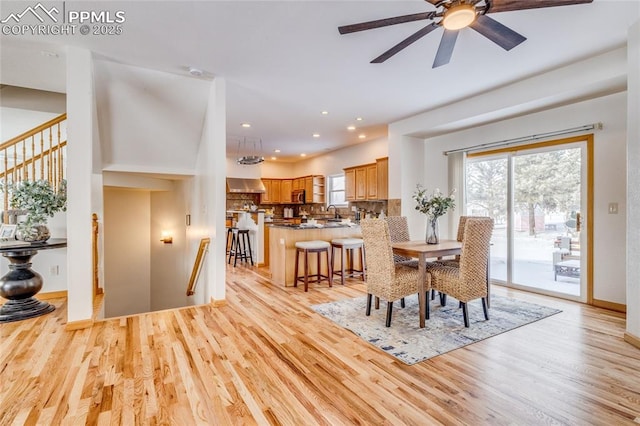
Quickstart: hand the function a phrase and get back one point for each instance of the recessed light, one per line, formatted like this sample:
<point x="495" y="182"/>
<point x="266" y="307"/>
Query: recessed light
<point x="303" y="155"/>
<point x="246" y="125"/>
<point x="358" y="118"/>
<point x="351" y="128"/>
<point x="325" y="113"/>
<point x="362" y="136"/>
<point x="276" y="150"/>
<point x="316" y="135"/>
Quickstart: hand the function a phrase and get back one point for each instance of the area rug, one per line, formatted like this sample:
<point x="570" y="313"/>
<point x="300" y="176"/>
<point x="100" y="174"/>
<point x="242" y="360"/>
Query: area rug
<point x="444" y="331"/>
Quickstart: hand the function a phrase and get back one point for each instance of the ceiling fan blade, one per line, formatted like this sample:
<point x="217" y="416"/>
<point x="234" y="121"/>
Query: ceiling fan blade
<point x="507" y="5"/>
<point x="445" y="50"/>
<point x="346" y="29"/>
<point x="497" y="33"/>
<point x="406" y="42"/>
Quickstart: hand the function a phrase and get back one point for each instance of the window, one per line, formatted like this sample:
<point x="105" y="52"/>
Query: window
<point x="336" y="187"/>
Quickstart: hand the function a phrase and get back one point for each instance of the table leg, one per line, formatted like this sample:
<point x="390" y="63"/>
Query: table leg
<point x="422" y="297"/>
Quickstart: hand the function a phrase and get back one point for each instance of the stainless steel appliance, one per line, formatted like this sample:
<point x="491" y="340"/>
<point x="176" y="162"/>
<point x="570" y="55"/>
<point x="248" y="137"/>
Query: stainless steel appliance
<point x="298" y="196"/>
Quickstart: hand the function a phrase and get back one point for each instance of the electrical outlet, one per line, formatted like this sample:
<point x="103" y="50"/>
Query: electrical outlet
<point x="613" y="208"/>
<point x="54" y="270"/>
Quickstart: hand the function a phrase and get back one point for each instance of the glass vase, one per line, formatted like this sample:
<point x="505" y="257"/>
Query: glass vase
<point x="433" y="233"/>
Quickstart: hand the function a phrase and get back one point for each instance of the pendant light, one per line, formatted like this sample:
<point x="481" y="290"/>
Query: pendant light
<point x="252" y="150"/>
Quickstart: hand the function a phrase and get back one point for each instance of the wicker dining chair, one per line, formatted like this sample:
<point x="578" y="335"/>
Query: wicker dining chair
<point x="460" y="237"/>
<point x="468" y="281"/>
<point x="399" y="232"/>
<point x="385" y="279"/>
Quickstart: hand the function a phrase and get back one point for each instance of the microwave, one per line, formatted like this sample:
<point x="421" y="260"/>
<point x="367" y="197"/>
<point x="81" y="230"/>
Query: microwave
<point x="297" y="196"/>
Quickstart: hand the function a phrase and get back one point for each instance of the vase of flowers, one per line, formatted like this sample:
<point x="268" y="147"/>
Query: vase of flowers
<point x="433" y="205"/>
<point x="40" y="201"/>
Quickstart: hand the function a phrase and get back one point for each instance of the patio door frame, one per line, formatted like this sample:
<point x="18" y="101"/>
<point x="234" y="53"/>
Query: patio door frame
<point x="511" y="151"/>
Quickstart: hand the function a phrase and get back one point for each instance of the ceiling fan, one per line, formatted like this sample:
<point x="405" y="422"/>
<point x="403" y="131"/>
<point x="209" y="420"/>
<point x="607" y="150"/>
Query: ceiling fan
<point x="455" y="15"/>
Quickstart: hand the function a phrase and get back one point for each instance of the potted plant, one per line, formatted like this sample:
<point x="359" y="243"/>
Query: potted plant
<point x="433" y="205"/>
<point x="39" y="201"/>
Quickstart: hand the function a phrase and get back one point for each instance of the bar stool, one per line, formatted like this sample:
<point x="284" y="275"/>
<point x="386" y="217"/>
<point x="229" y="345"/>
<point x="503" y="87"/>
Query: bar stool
<point x="346" y="247"/>
<point x="307" y="247"/>
<point x="240" y="246"/>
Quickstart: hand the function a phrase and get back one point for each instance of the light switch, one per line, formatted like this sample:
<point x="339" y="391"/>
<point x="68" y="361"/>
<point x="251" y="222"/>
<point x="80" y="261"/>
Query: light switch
<point x="613" y="208"/>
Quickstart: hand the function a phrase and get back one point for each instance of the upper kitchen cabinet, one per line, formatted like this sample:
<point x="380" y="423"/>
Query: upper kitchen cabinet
<point x="285" y="191"/>
<point x="368" y="181"/>
<point x="382" y="165"/>
<point x="273" y="190"/>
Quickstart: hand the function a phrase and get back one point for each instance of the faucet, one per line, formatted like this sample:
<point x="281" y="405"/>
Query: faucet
<point x="335" y="211"/>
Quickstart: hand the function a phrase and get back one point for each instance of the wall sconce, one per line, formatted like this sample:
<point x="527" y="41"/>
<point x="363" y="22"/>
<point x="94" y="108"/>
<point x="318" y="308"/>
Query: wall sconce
<point x="166" y="238"/>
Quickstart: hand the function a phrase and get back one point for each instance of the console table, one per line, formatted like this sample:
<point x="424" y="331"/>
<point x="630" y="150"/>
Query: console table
<point x="21" y="283"/>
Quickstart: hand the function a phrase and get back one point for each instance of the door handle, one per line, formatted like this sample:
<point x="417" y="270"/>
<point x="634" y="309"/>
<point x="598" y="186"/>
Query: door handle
<point x="578" y="222"/>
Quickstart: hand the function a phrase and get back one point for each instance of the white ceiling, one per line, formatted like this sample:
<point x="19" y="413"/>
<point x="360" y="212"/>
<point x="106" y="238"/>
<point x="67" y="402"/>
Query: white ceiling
<point x="285" y="62"/>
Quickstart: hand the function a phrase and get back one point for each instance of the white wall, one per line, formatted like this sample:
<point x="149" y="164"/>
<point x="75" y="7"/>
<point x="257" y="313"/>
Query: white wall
<point x="169" y="276"/>
<point x="609" y="186"/>
<point x="127" y="255"/>
<point x="80" y="131"/>
<point x="326" y="164"/>
<point x="205" y="198"/>
<point x="633" y="184"/>
<point x="335" y="161"/>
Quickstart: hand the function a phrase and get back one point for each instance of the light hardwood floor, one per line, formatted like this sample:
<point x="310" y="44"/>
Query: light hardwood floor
<point x="267" y="358"/>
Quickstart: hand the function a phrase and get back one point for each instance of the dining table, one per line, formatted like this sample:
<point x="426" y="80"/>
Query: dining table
<point x="423" y="251"/>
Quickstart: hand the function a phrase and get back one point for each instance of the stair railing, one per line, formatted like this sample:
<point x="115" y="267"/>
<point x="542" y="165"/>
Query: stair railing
<point x="39" y="154"/>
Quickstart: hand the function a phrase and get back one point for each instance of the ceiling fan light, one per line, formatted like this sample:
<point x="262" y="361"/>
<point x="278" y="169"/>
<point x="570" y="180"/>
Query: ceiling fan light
<point x="459" y="17"/>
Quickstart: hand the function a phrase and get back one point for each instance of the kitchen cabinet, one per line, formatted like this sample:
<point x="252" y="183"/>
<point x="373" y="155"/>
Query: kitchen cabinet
<point x="383" y="178"/>
<point x="368" y="181"/>
<point x="350" y="184"/>
<point x="286" y="186"/>
<point x="298" y="183"/>
<point x="272" y="194"/>
<point x="318" y="189"/>
<point x="361" y="183"/>
<point x="372" y="181"/>
<point x="267" y="197"/>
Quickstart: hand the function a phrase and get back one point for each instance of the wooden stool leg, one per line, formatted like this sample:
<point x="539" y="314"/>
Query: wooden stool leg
<point x="295" y="269"/>
<point x="249" y="245"/>
<point x="330" y="269"/>
<point x="362" y="263"/>
<point x="343" y="252"/>
<point x="306" y="271"/>
<point x="319" y="271"/>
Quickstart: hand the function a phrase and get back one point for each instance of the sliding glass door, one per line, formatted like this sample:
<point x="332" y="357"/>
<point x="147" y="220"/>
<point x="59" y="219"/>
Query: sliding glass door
<point x="537" y="196"/>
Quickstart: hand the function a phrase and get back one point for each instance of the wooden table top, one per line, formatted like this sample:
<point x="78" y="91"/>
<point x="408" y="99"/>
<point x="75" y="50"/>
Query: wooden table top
<point x="419" y="247"/>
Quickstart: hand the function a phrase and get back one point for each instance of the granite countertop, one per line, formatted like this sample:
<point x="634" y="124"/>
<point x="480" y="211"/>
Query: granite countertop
<point x="329" y="225"/>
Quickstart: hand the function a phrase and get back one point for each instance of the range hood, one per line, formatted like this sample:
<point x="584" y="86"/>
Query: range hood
<point x="248" y="186"/>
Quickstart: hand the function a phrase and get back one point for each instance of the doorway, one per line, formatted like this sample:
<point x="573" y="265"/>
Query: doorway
<point x="539" y="196"/>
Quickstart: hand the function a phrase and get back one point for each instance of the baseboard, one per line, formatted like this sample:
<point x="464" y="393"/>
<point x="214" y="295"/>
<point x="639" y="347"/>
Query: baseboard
<point x="78" y="325"/>
<point x="62" y="294"/>
<point x="618" y="307"/>
<point x="632" y="340"/>
<point x="218" y="303"/>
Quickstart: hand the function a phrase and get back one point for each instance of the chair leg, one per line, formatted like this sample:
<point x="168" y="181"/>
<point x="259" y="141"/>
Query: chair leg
<point x="465" y="314"/>
<point x="433" y="294"/>
<point x="248" y="238"/>
<point x="402" y="302"/>
<point x="329" y="269"/>
<point x="369" y="304"/>
<point x="389" y="311"/>
<point x="484" y="308"/>
<point x="343" y="261"/>
<point x="459" y="304"/>
<point x="362" y="264"/>
<point x="306" y="271"/>
<point x="377" y="302"/>
<point x="427" y="306"/>
<point x="295" y="269"/>
<point x="443" y="299"/>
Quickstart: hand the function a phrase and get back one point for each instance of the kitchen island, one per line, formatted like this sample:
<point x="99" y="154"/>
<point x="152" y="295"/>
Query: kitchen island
<point x="282" y="250"/>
